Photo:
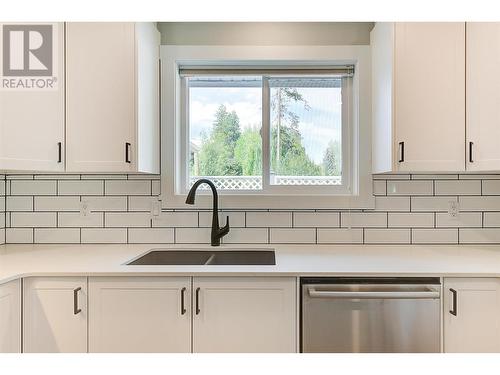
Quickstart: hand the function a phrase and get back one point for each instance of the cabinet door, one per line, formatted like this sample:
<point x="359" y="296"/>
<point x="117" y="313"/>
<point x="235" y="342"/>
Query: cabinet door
<point x="55" y="315"/>
<point x="100" y="97"/>
<point x="32" y="120"/>
<point x="10" y="317"/>
<point x="140" y="314"/>
<point x="476" y="325"/>
<point x="429" y="96"/>
<point x="237" y="314"/>
<point x="483" y="97"/>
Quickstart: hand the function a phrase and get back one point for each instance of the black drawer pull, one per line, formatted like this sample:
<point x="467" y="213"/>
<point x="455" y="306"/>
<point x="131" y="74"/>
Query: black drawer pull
<point x="197" y="301"/>
<point x="59" y="152"/>
<point x="453" y="311"/>
<point x="127" y="152"/>
<point x="183" y="307"/>
<point x="76" y="310"/>
<point x="401" y="152"/>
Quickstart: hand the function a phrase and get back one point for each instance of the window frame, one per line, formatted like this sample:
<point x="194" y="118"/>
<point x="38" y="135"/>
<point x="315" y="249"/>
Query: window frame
<point x="175" y="135"/>
<point x="267" y="187"/>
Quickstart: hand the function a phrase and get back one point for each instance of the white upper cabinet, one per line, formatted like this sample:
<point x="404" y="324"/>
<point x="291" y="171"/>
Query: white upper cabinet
<point x="471" y="315"/>
<point x="112" y="98"/>
<point x="418" y="93"/>
<point x="10" y="317"/>
<point x="31" y="119"/>
<point x="483" y="96"/>
<point x="55" y="315"/>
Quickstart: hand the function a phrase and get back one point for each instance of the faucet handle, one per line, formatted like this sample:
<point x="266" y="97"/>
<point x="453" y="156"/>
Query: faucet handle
<point x="225" y="229"/>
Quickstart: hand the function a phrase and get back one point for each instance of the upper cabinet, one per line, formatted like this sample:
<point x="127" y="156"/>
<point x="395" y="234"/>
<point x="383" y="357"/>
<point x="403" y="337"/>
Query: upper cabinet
<point x="32" y="111"/>
<point x="483" y="97"/>
<point x="112" y="98"/>
<point x="418" y="93"/>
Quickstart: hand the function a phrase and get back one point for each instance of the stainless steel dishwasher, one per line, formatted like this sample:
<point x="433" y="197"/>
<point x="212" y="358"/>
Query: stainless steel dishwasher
<point x="370" y="315"/>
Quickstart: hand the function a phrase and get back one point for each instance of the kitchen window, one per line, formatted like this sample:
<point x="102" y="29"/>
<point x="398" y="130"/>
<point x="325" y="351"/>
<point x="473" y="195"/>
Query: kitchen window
<point x="267" y="131"/>
<point x="270" y="129"/>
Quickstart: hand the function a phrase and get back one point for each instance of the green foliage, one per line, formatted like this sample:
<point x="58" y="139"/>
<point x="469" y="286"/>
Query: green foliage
<point x="331" y="159"/>
<point x="248" y="152"/>
<point x="216" y="155"/>
<point x="227" y="151"/>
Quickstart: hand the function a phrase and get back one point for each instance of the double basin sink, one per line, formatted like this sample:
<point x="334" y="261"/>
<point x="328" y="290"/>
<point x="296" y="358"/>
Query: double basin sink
<point x="189" y="257"/>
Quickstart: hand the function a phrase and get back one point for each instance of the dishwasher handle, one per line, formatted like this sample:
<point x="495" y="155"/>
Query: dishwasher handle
<point x="430" y="294"/>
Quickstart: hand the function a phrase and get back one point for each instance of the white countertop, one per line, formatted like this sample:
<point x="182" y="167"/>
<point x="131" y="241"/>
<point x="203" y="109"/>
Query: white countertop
<point x="291" y="260"/>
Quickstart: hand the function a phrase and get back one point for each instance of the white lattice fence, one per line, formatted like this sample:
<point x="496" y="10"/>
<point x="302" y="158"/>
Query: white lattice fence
<point x="255" y="182"/>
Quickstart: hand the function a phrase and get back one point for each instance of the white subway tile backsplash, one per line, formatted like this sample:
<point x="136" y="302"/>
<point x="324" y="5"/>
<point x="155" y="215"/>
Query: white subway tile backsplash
<point x="57" y="235"/>
<point x="236" y="219"/>
<point x="32" y="219"/>
<point x="104" y="235"/>
<point x="363" y="219"/>
<point x="292" y="235"/>
<point x="269" y="219"/>
<point x="29" y="187"/>
<point x="491" y="187"/>
<point x="79" y="187"/>
<point x="19" y="235"/>
<point x="141" y="203"/>
<point x="19" y="203"/>
<point x="489" y="203"/>
<point x="107" y="203"/>
<point x="151" y="235"/>
<point x="410" y="220"/>
<point x="464" y="219"/>
<point x="392" y="204"/>
<point x="379" y="187"/>
<point x="434" y="236"/>
<point x="339" y="236"/>
<point x="246" y="235"/>
<point x="408" y="209"/>
<point x="57" y="203"/>
<point x="76" y="220"/>
<point x="176" y="219"/>
<point x="479" y="235"/>
<point x="192" y="235"/>
<point x="491" y="219"/>
<point x="316" y="219"/>
<point x="127" y="219"/>
<point x="128" y="187"/>
<point x="435" y="204"/>
<point x="458" y="187"/>
<point x="409" y="187"/>
<point x="387" y="236"/>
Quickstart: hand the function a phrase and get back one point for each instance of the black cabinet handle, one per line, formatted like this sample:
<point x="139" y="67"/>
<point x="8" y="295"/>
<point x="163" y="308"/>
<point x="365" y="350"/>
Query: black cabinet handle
<point x="76" y="310"/>
<point x="59" y="152"/>
<point x="127" y="152"/>
<point x="453" y="311"/>
<point x="197" y="301"/>
<point x="401" y="152"/>
<point x="471" y="145"/>
<point x="183" y="307"/>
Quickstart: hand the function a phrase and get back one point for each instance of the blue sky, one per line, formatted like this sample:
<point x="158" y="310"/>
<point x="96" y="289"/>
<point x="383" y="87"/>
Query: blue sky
<point x="318" y="125"/>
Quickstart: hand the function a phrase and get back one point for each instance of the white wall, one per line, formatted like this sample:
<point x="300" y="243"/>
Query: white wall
<point x="265" y="33"/>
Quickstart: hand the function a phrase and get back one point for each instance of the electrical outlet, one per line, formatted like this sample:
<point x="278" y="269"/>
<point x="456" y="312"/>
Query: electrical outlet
<point x="155" y="207"/>
<point x="84" y="209"/>
<point x="453" y="209"/>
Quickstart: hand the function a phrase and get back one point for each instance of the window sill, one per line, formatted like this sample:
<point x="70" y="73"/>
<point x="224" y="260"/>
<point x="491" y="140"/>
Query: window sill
<point x="284" y="202"/>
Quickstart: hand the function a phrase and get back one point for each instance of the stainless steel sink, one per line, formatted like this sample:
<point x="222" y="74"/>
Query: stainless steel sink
<point x="187" y="257"/>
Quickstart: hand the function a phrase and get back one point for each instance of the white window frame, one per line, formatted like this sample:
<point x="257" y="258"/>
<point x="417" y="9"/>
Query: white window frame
<point x="174" y="133"/>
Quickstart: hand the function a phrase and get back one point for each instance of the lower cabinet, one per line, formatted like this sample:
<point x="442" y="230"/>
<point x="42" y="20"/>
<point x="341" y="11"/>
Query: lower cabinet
<point x="139" y="314"/>
<point x="55" y="314"/>
<point x="255" y="314"/>
<point x="160" y="314"/>
<point x="471" y="315"/>
<point x="10" y="317"/>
